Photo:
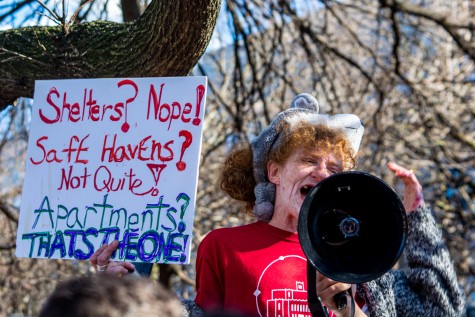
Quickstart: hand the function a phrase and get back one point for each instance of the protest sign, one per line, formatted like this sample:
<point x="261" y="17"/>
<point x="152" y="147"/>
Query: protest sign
<point x="112" y="159"/>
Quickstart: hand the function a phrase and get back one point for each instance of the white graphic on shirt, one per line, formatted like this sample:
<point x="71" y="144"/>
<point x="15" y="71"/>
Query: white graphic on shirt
<point x="284" y="302"/>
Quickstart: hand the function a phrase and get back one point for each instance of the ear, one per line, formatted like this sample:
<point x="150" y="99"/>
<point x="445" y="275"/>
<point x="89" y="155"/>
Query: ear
<point x="273" y="172"/>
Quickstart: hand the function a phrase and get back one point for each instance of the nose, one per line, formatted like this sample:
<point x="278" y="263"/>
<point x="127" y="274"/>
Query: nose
<point x="320" y="173"/>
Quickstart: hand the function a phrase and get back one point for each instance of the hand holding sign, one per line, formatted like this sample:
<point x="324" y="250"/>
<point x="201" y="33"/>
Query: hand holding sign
<point x="101" y="259"/>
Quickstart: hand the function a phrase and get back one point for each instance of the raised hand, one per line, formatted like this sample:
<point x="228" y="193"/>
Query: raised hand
<point x="413" y="196"/>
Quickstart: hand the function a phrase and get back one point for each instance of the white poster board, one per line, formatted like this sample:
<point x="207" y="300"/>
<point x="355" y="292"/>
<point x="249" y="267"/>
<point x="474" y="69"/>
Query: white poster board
<point x="112" y="159"/>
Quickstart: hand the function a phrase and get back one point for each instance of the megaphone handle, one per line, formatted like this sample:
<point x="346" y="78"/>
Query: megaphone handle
<point x="314" y="303"/>
<point x="340" y="300"/>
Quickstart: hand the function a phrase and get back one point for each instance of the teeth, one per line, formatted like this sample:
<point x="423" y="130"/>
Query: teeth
<point x="305" y="189"/>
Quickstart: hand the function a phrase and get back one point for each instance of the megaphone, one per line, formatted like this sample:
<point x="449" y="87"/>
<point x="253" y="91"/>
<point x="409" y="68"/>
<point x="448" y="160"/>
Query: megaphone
<point x="352" y="227"/>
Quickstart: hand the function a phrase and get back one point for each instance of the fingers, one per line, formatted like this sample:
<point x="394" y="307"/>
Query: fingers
<point x="93" y="258"/>
<point x="101" y="262"/>
<point x="104" y="256"/>
<point x="404" y="174"/>
<point x="328" y="288"/>
<point x="120" y="268"/>
<point x="413" y="196"/>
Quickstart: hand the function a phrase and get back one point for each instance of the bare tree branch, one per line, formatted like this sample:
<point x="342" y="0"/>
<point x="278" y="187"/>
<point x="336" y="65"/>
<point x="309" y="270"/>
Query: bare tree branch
<point x="9" y="211"/>
<point x="167" y="40"/>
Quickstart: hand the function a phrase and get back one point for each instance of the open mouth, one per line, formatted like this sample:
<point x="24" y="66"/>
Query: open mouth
<point x="305" y="190"/>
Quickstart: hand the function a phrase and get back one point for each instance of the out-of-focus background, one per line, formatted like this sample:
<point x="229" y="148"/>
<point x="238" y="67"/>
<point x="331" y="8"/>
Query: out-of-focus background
<point x="406" y="68"/>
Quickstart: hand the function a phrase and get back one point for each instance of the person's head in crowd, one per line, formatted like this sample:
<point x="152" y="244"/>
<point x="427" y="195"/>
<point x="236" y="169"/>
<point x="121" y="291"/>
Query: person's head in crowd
<point x="106" y="295"/>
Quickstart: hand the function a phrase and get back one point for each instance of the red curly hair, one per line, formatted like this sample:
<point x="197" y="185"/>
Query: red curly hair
<point x="237" y="175"/>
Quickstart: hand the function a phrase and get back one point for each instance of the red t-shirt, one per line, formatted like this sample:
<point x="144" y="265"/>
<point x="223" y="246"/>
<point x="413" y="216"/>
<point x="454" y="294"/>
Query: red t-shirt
<point x="256" y="269"/>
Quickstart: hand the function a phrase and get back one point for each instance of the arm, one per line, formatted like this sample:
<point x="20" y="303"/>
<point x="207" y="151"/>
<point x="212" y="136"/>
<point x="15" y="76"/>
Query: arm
<point x="430" y="286"/>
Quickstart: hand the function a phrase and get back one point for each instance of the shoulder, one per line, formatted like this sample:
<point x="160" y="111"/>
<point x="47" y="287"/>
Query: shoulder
<point x="235" y="238"/>
<point x="223" y="242"/>
<point x="229" y="234"/>
<point x="255" y="236"/>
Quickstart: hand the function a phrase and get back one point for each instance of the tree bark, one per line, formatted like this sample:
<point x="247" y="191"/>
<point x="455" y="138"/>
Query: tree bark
<point x="167" y="40"/>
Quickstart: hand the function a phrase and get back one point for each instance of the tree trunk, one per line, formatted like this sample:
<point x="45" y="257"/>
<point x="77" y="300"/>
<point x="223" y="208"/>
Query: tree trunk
<point x="167" y="40"/>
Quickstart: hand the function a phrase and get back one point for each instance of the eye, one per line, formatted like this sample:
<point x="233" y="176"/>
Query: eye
<point x="334" y="170"/>
<point x="308" y="160"/>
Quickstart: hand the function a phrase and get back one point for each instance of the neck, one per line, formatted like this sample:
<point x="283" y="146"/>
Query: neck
<point x="286" y="223"/>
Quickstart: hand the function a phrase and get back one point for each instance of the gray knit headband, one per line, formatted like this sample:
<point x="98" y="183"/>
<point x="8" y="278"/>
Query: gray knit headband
<point x="304" y="107"/>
